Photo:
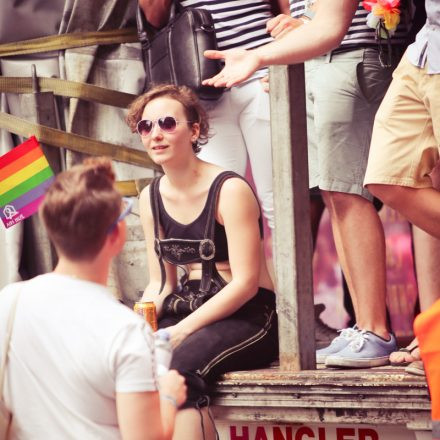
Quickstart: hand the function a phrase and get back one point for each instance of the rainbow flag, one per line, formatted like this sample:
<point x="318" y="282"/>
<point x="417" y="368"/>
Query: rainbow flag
<point x="25" y="176"/>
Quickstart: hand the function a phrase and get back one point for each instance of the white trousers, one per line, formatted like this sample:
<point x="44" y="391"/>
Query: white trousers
<point x="240" y="128"/>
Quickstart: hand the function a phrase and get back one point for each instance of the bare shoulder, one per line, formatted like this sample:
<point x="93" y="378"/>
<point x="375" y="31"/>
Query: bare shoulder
<point x="236" y="186"/>
<point x="237" y="195"/>
<point x="144" y="196"/>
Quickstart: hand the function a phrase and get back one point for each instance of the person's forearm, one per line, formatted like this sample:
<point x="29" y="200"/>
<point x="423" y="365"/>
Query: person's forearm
<point x="322" y="34"/>
<point x="223" y="304"/>
<point x="157" y="12"/>
<point x="168" y="411"/>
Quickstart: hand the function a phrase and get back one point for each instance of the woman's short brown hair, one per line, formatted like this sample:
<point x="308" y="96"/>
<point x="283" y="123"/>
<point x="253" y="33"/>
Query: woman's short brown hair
<point x="194" y="110"/>
<point x="79" y="208"/>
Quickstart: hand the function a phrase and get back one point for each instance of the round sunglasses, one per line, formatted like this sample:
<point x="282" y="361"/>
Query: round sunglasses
<point x="166" y="123"/>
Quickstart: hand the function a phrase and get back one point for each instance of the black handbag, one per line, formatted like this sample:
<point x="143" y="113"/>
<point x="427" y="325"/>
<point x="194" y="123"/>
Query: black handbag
<point x="174" y="54"/>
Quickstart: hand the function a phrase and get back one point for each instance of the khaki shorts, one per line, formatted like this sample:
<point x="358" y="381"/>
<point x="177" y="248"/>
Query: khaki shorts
<point x="406" y="135"/>
<point x="344" y="91"/>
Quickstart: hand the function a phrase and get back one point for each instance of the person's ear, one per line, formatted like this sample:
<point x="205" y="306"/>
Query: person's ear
<point x="195" y="130"/>
<point x="116" y="238"/>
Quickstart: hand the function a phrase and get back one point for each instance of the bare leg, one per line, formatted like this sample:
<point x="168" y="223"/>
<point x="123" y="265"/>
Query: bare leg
<point x="360" y="244"/>
<point x="421" y="206"/>
<point x="316" y="209"/>
<point x="427" y="257"/>
<point x="188" y="425"/>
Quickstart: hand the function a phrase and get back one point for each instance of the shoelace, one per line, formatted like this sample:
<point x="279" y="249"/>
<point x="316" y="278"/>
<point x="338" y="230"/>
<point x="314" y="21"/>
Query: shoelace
<point x="358" y="340"/>
<point x="347" y="333"/>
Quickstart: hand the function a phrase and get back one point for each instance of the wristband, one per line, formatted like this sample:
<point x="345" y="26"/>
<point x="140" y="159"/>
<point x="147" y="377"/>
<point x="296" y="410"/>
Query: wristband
<point x="170" y="399"/>
<point x="309" y="14"/>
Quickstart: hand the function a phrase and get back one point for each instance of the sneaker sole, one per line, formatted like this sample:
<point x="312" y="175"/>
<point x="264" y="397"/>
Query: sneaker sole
<point x="321" y="359"/>
<point x="335" y="361"/>
<point x="415" y="371"/>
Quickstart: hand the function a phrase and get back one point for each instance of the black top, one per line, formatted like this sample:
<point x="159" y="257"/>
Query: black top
<point x="203" y="240"/>
<point x="195" y="229"/>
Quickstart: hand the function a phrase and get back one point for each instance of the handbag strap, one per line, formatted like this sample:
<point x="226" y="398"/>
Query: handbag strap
<point x="7" y="340"/>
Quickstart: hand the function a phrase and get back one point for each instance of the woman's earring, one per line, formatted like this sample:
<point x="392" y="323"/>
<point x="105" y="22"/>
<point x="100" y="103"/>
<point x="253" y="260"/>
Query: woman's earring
<point x="196" y="146"/>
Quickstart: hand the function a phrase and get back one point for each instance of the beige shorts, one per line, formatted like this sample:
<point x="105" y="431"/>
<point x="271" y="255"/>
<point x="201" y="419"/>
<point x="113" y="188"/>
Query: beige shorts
<point x="406" y="134"/>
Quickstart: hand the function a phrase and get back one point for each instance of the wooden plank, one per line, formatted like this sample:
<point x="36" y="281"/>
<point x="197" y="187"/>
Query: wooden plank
<point x="292" y="236"/>
<point x="384" y="395"/>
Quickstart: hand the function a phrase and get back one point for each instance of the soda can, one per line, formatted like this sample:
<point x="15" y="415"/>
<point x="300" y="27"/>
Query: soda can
<point x="147" y="309"/>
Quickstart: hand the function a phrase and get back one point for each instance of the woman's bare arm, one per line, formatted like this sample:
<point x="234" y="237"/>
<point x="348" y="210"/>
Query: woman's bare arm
<point x="151" y="292"/>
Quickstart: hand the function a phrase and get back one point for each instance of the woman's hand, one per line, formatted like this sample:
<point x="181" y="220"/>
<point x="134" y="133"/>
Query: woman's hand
<point x="158" y="300"/>
<point x="178" y="333"/>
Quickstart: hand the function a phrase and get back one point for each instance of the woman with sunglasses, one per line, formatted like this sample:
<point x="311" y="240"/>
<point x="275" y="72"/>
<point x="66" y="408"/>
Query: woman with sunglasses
<point x="207" y="221"/>
<point x="240" y="118"/>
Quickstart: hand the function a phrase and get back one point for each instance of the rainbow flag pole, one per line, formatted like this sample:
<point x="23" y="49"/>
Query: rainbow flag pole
<point x="25" y="176"/>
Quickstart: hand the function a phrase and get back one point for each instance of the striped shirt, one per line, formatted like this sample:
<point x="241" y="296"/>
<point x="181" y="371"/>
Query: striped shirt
<point x="238" y="23"/>
<point x="358" y="34"/>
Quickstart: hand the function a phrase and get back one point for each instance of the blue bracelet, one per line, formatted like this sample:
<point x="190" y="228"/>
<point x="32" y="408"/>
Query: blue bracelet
<point x="170" y="399"/>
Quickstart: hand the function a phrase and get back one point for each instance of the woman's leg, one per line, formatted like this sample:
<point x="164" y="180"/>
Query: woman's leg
<point x="254" y="120"/>
<point x="246" y="340"/>
<point x="194" y="424"/>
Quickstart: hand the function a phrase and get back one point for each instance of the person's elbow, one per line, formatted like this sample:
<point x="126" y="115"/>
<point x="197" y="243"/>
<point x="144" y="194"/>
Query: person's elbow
<point x="336" y="37"/>
<point x="247" y="284"/>
<point x="155" y="15"/>
<point x="328" y="37"/>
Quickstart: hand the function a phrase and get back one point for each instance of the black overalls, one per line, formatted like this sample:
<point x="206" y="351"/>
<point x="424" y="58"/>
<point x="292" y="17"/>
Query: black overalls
<point x="248" y="338"/>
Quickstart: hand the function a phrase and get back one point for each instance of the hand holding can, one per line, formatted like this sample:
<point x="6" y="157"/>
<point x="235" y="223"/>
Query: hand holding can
<point x="147" y="309"/>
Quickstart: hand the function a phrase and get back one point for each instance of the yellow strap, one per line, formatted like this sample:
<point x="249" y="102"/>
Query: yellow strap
<point x="69" y="89"/>
<point x="68" y="41"/>
<point x="127" y="188"/>
<point x="132" y="188"/>
<point x="74" y="142"/>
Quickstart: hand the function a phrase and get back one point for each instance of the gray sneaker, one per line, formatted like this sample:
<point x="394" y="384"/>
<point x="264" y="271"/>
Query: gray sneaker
<point x="337" y="344"/>
<point x="324" y="334"/>
<point x="365" y="350"/>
